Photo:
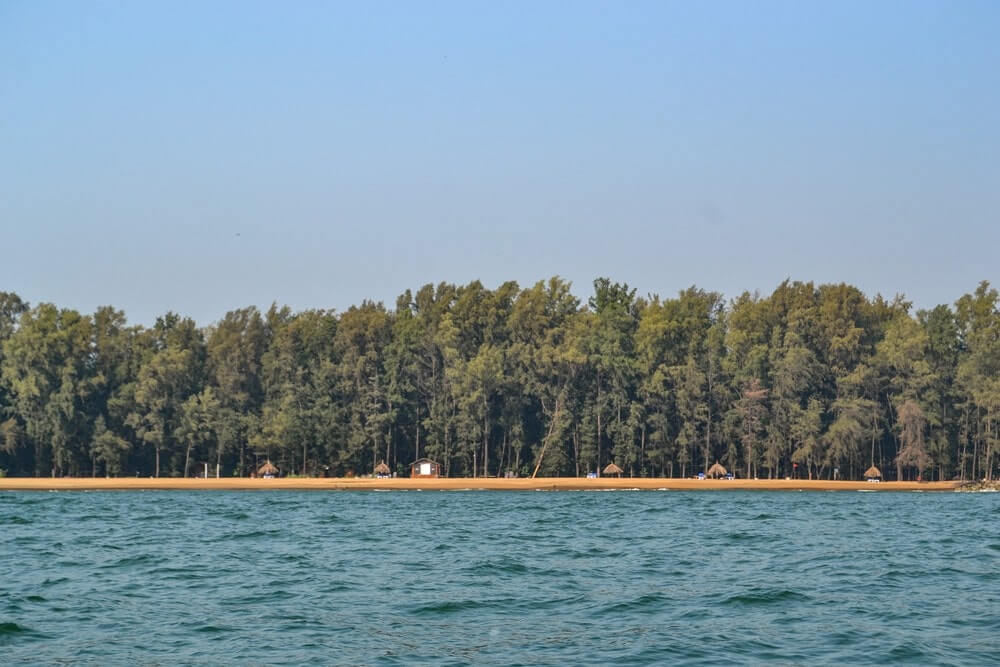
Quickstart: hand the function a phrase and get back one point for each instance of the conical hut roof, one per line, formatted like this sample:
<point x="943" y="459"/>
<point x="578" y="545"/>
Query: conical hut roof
<point x="717" y="470"/>
<point x="268" y="469"/>
<point x="382" y="469"/>
<point x="873" y="472"/>
<point x="612" y="469"/>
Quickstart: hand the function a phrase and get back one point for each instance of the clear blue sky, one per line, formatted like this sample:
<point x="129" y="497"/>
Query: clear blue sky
<point x="204" y="156"/>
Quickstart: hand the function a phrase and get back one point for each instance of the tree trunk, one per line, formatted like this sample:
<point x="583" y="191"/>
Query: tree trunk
<point x="486" y="439"/>
<point x="388" y="445"/>
<point x="874" y="421"/>
<point x="749" y="455"/>
<point x="447" y="450"/>
<point x="975" y="447"/>
<point x="576" y="450"/>
<point x="545" y="443"/>
<point x="388" y="437"/>
<point x="503" y="454"/>
<point x="618" y="424"/>
<point x="708" y="420"/>
<point x="642" y="446"/>
<point x="708" y="442"/>
<point x="965" y="443"/>
<point x="157" y="460"/>
<point x="598" y="406"/>
<point x="989" y="443"/>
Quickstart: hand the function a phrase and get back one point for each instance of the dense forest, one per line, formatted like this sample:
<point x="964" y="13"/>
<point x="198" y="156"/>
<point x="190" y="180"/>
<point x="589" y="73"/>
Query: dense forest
<point x="811" y="381"/>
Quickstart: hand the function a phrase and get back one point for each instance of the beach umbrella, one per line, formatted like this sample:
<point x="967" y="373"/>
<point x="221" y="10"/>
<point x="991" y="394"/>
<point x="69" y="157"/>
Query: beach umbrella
<point x="717" y="470"/>
<point x="612" y="469"/>
<point x="873" y="473"/>
<point x="268" y="469"/>
<point x="382" y="469"/>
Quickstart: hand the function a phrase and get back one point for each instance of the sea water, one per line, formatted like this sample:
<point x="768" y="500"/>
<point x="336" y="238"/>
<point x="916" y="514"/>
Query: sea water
<point x="498" y="578"/>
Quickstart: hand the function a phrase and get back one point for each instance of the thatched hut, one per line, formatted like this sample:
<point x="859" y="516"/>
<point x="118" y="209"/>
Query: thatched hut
<point x="382" y="469"/>
<point x="717" y="471"/>
<point x="873" y="474"/>
<point x="612" y="469"/>
<point x="268" y="470"/>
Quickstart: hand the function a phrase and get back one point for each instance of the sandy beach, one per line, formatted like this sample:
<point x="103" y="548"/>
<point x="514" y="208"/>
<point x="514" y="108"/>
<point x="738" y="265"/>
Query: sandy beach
<point x="456" y="484"/>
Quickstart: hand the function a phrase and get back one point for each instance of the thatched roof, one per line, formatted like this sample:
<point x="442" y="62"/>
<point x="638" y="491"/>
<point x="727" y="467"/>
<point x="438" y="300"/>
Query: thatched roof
<point x="612" y="469"/>
<point x="382" y="469"/>
<point x="717" y="470"/>
<point x="268" y="469"/>
<point x="873" y="472"/>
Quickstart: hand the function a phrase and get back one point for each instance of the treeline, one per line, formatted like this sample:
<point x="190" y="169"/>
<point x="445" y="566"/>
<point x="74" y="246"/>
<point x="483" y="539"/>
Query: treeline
<point x="810" y="381"/>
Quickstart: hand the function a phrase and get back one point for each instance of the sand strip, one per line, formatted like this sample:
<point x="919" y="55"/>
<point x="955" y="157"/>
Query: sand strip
<point x="452" y="484"/>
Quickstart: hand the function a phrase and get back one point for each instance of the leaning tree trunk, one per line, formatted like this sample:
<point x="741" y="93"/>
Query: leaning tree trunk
<point x="552" y="428"/>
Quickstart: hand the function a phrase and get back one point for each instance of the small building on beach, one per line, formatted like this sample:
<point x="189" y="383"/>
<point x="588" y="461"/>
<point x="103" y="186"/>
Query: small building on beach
<point x="717" y="471"/>
<point x="612" y="469"/>
<point x="382" y="470"/>
<point x="873" y="474"/>
<point x="425" y="468"/>
<point x="268" y="470"/>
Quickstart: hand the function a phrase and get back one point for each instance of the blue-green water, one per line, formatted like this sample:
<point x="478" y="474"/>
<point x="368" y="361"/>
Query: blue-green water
<point x="501" y="578"/>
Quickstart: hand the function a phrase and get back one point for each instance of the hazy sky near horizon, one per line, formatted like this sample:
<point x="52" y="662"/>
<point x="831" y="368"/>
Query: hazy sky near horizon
<point x="204" y="156"/>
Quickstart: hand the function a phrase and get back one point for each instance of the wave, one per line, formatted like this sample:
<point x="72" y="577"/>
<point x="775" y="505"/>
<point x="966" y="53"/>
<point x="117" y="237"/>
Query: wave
<point x="907" y="652"/>
<point x="54" y="581"/>
<point x="15" y="521"/>
<point x="495" y="567"/>
<point x="643" y="603"/>
<point x="11" y="632"/>
<point x="446" y="607"/>
<point x="753" y="598"/>
<point x="248" y="535"/>
<point x="741" y="536"/>
<point x="131" y="561"/>
<point x="211" y="629"/>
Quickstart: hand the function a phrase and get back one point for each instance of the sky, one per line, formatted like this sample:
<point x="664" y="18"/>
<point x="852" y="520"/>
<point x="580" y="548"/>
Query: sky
<point x="205" y="156"/>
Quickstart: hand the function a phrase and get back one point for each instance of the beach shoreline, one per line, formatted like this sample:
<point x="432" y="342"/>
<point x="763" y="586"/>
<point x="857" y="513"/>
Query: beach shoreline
<point x="454" y="484"/>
